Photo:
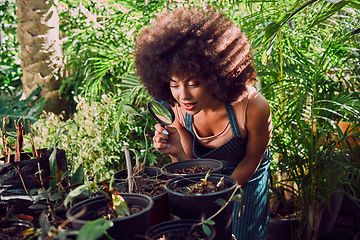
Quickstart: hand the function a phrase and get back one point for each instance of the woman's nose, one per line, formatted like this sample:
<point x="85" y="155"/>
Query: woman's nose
<point x="184" y="93"/>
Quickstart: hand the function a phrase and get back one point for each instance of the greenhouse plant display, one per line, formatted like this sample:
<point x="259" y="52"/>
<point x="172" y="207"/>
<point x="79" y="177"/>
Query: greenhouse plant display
<point x="306" y="54"/>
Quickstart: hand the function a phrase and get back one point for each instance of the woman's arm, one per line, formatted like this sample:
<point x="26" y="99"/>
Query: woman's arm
<point x="258" y="126"/>
<point x="186" y="143"/>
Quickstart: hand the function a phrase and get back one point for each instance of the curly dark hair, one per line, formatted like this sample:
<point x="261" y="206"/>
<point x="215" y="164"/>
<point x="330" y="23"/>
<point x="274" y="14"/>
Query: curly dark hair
<point x="204" y="43"/>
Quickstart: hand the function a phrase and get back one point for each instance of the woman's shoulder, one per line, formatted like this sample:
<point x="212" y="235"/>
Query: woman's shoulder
<point x="251" y="98"/>
<point x="252" y="107"/>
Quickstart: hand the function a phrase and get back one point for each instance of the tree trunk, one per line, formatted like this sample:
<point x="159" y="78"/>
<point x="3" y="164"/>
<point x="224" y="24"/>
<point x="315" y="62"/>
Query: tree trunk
<point x="41" y="54"/>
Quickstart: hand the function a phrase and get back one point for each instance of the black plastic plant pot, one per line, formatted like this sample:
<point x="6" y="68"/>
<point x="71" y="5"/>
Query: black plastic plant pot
<point x="12" y="184"/>
<point x="202" y="206"/>
<point x="160" y="212"/>
<point x="129" y="227"/>
<point x="13" y="229"/>
<point x="178" y="228"/>
<point x="161" y="209"/>
<point x="169" y="169"/>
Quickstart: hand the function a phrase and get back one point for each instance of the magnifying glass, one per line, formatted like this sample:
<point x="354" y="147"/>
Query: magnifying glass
<point x="161" y="112"/>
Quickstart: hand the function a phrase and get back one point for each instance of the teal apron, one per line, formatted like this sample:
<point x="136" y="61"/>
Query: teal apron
<point x="252" y="224"/>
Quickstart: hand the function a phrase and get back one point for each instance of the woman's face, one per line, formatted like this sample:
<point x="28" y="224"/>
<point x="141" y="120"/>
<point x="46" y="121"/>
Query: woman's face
<point x="190" y="93"/>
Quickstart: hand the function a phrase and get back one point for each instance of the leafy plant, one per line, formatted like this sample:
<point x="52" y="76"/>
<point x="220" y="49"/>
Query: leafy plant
<point x="312" y="88"/>
<point x="95" y="136"/>
<point x="10" y="70"/>
<point x="14" y="108"/>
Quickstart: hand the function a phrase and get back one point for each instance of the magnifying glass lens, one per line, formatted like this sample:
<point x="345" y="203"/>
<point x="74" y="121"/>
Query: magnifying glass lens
<point x="161" y="111"/>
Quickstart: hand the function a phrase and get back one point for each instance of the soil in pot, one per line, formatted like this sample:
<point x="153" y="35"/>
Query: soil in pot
<point x="192" y="170"/>
<point x="14" y="229"/>
<point x="201" y="187"/>
<point x="192" y="166"/>
<point x="149" y="172"/>
<point x="200" y="206"/>
<point x="284" y="217"/>
<point x="179" y="230"/>
<point x="151" y="183"/>
<point x="110" y="214"/>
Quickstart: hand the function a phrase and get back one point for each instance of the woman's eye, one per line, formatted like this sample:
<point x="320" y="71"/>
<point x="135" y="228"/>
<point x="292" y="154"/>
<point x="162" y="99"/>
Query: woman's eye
<point x="193" y="84"/>
<point x="174" y="86"/>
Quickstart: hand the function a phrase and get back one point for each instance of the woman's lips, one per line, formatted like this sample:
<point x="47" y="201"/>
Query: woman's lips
<point x="189" y="106"/>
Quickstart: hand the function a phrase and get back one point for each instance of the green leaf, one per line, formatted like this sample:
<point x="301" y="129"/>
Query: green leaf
<point x="43" y="194"/>
<point x="33" y="191"/>
<point x="220" y="201"/>
<point x="130" y="110"/>
<point x="329" y="12"/>
<point x="78" y="176"/>
<point x="38" y="206"/>
<point x="53" y="168"/>
<point x="55" y="196"/>
<point x="120" y="205"/>
<point x="273" y="28"/>
<point x="206" y="229"/>
<point x="270" y="31"/>
<point x="76" y="192"/>
<point x="94" y="229"/>
<point x="209" y="222"/>
<point x="354" y="4"/>
<point x="237" y="198"/>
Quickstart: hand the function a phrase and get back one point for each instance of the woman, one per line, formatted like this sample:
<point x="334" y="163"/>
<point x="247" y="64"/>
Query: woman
<point x="199" y="62"/>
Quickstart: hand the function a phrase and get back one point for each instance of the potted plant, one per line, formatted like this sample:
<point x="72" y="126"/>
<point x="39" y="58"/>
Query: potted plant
<point x="209" y="198"/>
<point x="149" y="181"/>
<point x="115" y="208"/>
<point x="32" y="181"/>
<point x="15" y="229"/>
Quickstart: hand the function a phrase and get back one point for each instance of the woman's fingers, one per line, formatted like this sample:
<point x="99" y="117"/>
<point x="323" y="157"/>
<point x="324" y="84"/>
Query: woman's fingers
<point x="160" y="138"/>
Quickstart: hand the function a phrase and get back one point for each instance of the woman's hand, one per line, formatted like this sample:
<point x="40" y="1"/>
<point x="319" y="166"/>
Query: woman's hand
<point x="167" y="140"/>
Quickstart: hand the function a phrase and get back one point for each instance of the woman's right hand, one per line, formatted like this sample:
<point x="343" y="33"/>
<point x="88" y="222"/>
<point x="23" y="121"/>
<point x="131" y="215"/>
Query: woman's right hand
<point x="167" y="140"/>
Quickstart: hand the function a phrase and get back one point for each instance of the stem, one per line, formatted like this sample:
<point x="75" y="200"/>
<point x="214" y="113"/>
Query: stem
<point x="222" y="207"/>
<point x="43" y="188"/>
<point x="227" y="203"/>
<point x="23" y="183"/>
<point x="129" y="169"/>
<point x="146" y="144"/>
<point x="107" y="235"/>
